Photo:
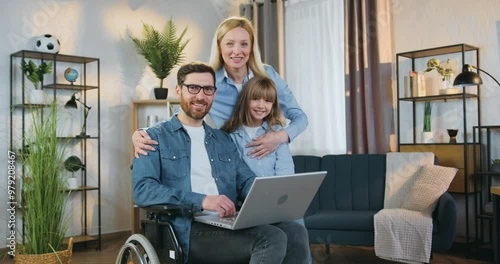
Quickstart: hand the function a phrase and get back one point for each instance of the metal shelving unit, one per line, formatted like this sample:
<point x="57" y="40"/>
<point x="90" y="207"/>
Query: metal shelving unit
<point x="446" y="152"/>
<point x="90" y="79"/>
<point x="483" y="180"/>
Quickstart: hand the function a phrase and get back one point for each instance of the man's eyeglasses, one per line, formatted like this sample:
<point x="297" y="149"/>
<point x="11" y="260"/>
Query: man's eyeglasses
<point x="195" y="89"/>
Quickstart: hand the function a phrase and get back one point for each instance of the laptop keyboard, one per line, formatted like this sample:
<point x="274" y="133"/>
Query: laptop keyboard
<point x="228" y="220"/>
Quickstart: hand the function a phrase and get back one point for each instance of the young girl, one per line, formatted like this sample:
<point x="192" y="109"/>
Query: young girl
<point x="256" y="112"/>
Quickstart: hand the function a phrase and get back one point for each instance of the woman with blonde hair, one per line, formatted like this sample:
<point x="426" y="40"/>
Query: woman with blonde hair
<point x="235" y="57"/>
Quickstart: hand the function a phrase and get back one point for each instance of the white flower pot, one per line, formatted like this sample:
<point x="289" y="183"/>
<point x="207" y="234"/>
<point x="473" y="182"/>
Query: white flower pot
<point x="73" y="183"/>
<point x="35" y="97"/>
<point x="427" y="137"/>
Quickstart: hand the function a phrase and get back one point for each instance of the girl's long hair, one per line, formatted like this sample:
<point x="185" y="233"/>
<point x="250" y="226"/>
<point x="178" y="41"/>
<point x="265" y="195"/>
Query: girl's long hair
<point x="257" y="87"/>
<point x="254" y="62"/>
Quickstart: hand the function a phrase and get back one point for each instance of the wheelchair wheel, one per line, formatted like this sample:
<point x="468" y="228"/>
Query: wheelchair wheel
<point x="137" y="250"/>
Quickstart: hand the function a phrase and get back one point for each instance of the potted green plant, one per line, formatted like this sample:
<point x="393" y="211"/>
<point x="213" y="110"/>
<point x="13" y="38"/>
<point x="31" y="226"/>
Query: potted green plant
<point x="162" y="50"/>
<point x="35" y="74"/>
<point x="444" y="70"/>
<point x="73" y="164"/>
<point x="42" y="191"/>
<point x="427" y="131"/>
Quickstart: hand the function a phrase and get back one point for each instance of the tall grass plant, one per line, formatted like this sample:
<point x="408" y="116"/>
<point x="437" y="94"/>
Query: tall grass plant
<point x="43" y="184"/>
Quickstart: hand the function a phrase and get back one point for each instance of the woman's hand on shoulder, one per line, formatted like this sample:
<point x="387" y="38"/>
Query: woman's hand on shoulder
<point x="142" y="142"/>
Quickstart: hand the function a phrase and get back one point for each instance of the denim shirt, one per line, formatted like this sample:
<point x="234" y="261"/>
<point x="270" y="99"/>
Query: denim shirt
<point x="279" y="162"/>
<point x="163" y="176"/>
<point x="227" y="95"/>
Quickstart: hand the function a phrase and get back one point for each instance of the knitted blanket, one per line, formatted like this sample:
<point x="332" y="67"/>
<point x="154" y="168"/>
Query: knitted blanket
<point x="403" y="235"/>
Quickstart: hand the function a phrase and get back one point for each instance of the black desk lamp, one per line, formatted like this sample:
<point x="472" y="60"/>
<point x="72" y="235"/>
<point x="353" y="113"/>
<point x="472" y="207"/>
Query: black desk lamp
<point x="468" y="77"/>
<point x="72" y="104"/>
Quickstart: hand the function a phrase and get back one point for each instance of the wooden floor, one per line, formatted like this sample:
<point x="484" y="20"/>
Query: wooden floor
<point x="339" y="254"/>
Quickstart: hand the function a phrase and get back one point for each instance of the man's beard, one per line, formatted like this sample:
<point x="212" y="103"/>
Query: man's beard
<point x="188" y="108"/>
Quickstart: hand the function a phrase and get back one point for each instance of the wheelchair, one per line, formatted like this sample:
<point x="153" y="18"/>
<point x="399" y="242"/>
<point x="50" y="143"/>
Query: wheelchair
<point x="158" y="243"/>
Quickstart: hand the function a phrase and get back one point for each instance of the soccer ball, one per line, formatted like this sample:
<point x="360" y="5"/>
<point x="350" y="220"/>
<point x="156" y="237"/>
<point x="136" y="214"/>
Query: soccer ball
<point x="47" y="43"/>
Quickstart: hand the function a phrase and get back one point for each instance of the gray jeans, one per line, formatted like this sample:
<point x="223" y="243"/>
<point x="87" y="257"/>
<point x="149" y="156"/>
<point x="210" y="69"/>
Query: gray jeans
<point x="285" y="242"/>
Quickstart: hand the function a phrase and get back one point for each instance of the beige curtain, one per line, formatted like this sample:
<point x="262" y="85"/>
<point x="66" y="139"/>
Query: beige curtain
<point x="368" y="60"/>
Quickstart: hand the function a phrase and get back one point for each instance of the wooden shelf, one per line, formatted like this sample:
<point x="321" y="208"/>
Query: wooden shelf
<point x="155" y="101"/>
<point x="30" y="54"/>
<point x="441" y="97"/>
<point x="76" y="137"/>
<point x="450" y="155"/>
<point x="495" y="190"/>
<point x="67" y="86"/>
<point x="438" y="51"/>
<point x="30" y="106"/>
<point x="83" y="188"/>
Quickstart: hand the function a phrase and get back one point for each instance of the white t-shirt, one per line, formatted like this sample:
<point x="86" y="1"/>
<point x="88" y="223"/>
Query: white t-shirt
<point x="239" y="86"/>
<point x="251" y="131"/>
<point x="201" y="171"/>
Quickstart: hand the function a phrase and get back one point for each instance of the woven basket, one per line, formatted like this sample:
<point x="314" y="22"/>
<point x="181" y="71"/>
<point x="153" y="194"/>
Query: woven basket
<point x="47" y="258"/>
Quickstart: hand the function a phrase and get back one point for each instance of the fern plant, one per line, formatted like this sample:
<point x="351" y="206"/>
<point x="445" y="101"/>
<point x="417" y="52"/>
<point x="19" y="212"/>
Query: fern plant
<point x="163" y="50"/>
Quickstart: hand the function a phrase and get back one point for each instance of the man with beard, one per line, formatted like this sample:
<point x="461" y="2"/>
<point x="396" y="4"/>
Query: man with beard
<point x="200" y="168"/>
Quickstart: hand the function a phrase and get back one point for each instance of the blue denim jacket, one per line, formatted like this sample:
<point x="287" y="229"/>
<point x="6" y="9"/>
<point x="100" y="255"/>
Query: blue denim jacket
<point x="227" y="95"/>
<point x="163" y="176"/>
<point x="279" y="162"/>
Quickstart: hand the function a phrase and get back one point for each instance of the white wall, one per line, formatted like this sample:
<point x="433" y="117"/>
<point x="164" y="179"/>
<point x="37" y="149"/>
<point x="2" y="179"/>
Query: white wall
<point x="101" y="29"/>
<point x="426" y="24"/>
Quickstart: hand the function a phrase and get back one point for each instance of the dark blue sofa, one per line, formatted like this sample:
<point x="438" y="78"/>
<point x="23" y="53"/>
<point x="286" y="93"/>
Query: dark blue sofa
<point x="352" y="193"/>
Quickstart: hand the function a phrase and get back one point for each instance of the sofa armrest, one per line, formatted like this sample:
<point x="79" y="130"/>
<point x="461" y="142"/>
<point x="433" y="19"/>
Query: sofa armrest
<point x="444" y="217"/>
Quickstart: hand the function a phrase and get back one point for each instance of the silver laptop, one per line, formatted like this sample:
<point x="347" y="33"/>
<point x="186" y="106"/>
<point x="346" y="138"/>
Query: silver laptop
<point x="271" y="200"/>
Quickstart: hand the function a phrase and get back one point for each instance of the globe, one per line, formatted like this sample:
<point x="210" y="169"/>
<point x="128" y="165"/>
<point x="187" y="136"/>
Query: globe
<point x="70" y="75"/>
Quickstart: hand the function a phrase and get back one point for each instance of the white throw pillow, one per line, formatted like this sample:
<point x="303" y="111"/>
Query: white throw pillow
<point x="429" y="185"/>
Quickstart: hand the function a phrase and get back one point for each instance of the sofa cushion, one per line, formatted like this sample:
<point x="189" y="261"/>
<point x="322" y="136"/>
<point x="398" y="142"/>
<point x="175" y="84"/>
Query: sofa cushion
<point x="308" y="163"/>
<point x="431" y="182"/>
<point x="353" y="182"/>
<point x="341" y="220"/>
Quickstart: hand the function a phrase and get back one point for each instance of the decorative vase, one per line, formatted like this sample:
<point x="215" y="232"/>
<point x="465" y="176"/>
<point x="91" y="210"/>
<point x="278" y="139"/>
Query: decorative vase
<point x="452" y="132"/>
<point x="72" y="183"/>
<point x="63" y="256"/>
<point x="446" y="83"/>
<point x="427" y="137"/>
<point x="161" y="93"/>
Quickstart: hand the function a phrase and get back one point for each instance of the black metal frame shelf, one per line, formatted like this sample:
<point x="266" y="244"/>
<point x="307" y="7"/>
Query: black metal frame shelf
<point x="423" y="53"/>
<point x="443" y="97"/>
<point x="30" y="54"/>
<point x="89" y="67"/>
<point x="482" y="182"/>
<point x="459" y="50"/>
<point x="70" y="86"/>
<point x="84" y="188"/>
